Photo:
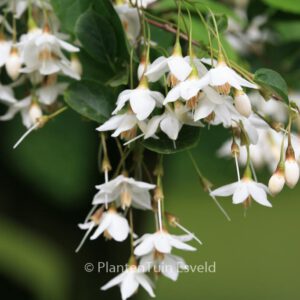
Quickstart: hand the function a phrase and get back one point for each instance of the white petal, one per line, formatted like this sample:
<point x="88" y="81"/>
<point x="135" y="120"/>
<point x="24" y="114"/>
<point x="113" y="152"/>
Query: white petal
<point x="129" y="286"/>
<point x="204" y="109"/>
<point x="162" y="243"/>
<point x="111" y="124"/>
<point x="146" y="283"/>
<point x="241" y="193"/>
<point x="170" y="126"/>
<point x="152" y="126"/>
<point x="157" y="69"/>
<point x="104" y="223"/>
<point x="180" y="245"/>
<point x="173" y="95"/>
<point x="122" y="99"/>
<point x="179" y="67"/>
<point x="225" y="190"/>
<point x="258" y="194"/>
<point x="145" y="247"/>
<point x="141" y="103"/>
<point x="118" y="228"/>
<point x="115" y="281"/>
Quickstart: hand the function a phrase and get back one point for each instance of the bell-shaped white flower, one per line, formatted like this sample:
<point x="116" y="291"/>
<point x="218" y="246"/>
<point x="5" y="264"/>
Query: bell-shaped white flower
<point x="112" y="224"/>
<point x="129" y="281"/>
<point x="167" y="264"/>
<point x="223" y="77"/>
<point x="291" y="172"/>
<point x="29" y="109"/>
<point x="142" y="100"/>
<point x="244" y="189"/>
<point x="276" y="182"/>
<point x="7" y="94"/>
<point x="161" y="241"/>
<point x="129" y="17"/>
<point x="125" y="192"/>
<point x="13" y="64"/>
<point x="242" y="104"/>
<point x="125" y="125"/>
<point x="175" y="64"/>
<point x="5" y="47"/>
<point x="42" y="51"/>
<point x="49" y="92"/>
<point x="171" y="122"/>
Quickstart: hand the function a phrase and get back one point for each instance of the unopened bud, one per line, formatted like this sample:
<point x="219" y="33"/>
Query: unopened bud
<point x="13" y="64"/>
<point x="242" y="104"/>
<point x="35" y="112"/>
<point x="276" y="182"/>
<point x="291" y="172"/>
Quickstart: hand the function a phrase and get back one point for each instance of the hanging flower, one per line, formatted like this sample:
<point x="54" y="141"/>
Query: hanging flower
<point x="161" y="241"/>
<point x="129" y="282"/>
<point x="125" y="192"/>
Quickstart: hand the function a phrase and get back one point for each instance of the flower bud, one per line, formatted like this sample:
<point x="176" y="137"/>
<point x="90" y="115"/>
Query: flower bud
<point x="276" y="182"/>
<point x="291" y="172"/>
<point x="35" y="112"/>
<point x="242" y="103"/>
<point x="76" y="65"/>
<point x="13" y="64"/>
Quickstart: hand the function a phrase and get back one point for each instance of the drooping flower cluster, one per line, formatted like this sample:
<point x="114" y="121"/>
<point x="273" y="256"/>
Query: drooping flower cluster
<point x="34" y="59"/>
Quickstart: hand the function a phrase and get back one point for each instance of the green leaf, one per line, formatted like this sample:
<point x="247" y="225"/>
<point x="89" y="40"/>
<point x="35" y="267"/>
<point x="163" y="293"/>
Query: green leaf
<point x="91" y="99"/>
<point x="188" y="138"/>
<point x="292" y="6"/>
<point x="289" y="31"/>
<point x="221" y="22"/>
<point x="272" y="81"/>
<point x="68" y="11"/>
<point x="97" y="37"/>
<point x="106" y="10"/>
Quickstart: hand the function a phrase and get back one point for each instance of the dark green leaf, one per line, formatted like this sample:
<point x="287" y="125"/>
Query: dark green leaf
<point x="272" y="81"/>
<point x="91" y="99"/>
<point x="188" y="138"/>
<point x="68" y="11"/>
<point x="106" y="10"/>
<point x="292" y="6"/>
<point x="97" y="37"/>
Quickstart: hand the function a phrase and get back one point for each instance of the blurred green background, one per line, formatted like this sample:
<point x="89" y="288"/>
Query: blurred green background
<point x="47" y="185"/>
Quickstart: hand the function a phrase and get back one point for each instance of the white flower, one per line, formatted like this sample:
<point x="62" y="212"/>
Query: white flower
<point x="161" y="241"/>
<point x="5" y="47"/>
<point x="291" y="172"/>
<point x="129" y="17"/>
<point x="129" y="282"/>
<point x="167" y="264"/>
<point x="29" y="109"/>
<point x="210" y="102"/>
<point x="42" y="51"/>
<point x="171" y="122"/>
<point x="142" y="101"/>
<point x="276" y="182"/>
<point x="6" y="94"/>
<point x="224" y="78"/>
<point x="113" y="224"/>
<point x="175" y="64"/>
<point x="244" y="189"/>
<point x="125" y="124"/>
<point x="49" y="93"/>
<point x="242" y="104"/>
<point x="125" y="192"/>
<point x="13" y="64"/>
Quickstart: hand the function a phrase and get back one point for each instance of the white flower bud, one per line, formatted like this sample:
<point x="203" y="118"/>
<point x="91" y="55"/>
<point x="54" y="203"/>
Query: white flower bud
<point x="242" y="104"/>
<point x="76" y="65"/>
<point x="141" y="70"/>
<point x="276" y="183"/>
<point x="291" y="172"/>
<point x="35" y="112"/>
<point x="13" y="64"/>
